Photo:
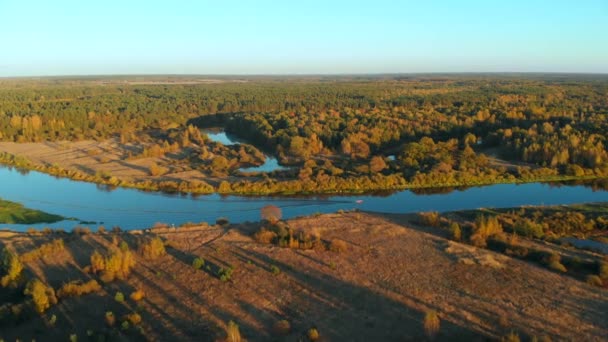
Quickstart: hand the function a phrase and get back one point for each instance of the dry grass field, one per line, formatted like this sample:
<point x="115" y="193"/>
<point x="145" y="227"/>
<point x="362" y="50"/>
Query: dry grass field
<point x="371" y="278"/>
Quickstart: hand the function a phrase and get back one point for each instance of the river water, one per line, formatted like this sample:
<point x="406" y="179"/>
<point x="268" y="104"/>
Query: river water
<point x="132" y="209"/>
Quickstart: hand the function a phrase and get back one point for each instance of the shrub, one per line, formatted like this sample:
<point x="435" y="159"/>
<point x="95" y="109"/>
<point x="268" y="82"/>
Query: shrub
<point x="123" y="245"/>
<point x="603" y="270"/>
<point x="264" y="236"/>
<point x="455" y="231"/>
<point x="484" y="228"/>
<point x="53" y="320"/>
<point x="119" y="297"/>
<point x="198" y="263"/>
<point x="153" y="248"/>
<point x="118" y="265"/>
<point x="125" y="325"/>
<point x="222" y="221"/>
<point x="510" y="337"/>
<point x="42" y="296"/>
<point x="134" y="318"/>
<point x="553" y="262"/>
<point x="282" y="327"/>
<point x="225" y="273"/>
<point x="77" y="288"/>
<point x="526" y="227"/>
<point x="431" y="323"/>
<point x="431" y="218"/>
<point x="592" y="279"/>
<point x="12" y="266"/>
<point x="503" y="321"/>
<point x="232" y="332"/>
<point x="98" y="262"/>
<point x="313" y="334"/>
<point x="44" y="251"/>
<point x="156" y="170"/>
<point x="81" y="231"/>
<point x="73" y="338"/>
<point x="275" y="270"/>
<point x="271" y="213"/>
<point x="137" y="295"/>
<point x="338" y="246"/>
<point x="557" y="266"/>
<point x="110" y="319"/>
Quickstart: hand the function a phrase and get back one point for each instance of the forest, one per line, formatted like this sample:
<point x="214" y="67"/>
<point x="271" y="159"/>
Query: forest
<point x="337" y="134"/>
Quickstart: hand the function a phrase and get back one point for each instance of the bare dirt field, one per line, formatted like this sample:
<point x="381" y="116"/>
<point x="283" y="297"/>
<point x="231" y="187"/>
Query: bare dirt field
<point x="379" y="289"/>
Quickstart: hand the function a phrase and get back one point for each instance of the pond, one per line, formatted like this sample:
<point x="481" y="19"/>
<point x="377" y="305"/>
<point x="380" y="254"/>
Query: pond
<point x="218" y="135"/>
<point x="134" y="209"/>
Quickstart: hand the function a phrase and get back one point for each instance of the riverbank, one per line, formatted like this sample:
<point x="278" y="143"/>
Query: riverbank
<point x="372" y="277"/>
<point x="110" y="170"/>
<point x="15" y="213"/>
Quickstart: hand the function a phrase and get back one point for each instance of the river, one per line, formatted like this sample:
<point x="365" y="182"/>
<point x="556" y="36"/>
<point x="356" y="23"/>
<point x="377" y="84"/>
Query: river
<point x="133" y="209"/>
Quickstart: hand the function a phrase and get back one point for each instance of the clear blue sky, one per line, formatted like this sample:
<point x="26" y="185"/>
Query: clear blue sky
<point x="77" y="37"/>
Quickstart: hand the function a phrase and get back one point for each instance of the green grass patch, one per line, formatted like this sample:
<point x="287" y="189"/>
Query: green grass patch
<point x="15" y="213"/>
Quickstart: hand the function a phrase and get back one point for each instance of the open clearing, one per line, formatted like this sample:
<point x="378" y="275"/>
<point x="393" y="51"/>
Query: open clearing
<point x="378" y="290"/>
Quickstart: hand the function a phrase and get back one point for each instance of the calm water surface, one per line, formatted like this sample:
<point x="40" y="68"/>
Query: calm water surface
<point x="132" y="209"/>
<point x="271" y="163"/>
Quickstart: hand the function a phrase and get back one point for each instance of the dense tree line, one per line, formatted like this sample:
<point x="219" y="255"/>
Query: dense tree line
<point x="338" y="132"/>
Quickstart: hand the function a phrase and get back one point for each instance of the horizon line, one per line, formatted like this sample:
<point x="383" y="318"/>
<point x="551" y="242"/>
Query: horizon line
<point x="601" y="73"/>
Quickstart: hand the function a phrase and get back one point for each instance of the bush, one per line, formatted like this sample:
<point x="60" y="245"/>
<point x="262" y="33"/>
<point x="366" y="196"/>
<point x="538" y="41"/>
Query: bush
<point x="431" y="323"/>
<point x="42" y="296"/>
<point x="118" y="265"/>
<point x="81" y="231"/>
<point x="137" y="295"/>
<point x="134" y="318"/>
<point x="275" y="270"/>
<point x="198" y="263"/>
<point x="282" y="328"/>
<point x="12" y="267"/>
<point x="265" y="236"/>
<point x="271" y="213"/>
<point x="98" y="262"/>
<point x="603" y="270"/>
<point x="313" y="334"/>
<point x="431" y="218"/>
<point x="511" y="337"/>
<point x="45" y="250"/>
<point x="557" y="266"/>
<point x="484" y="228"/>
<point x="455" y="231"/>
<point x="232" y="332"/>
<point x="119" y="297"/>
<point x="110" y="319"/>
<point x="528" y="228"/>
<point x="222" y="221"/>
<point x="225" y="273"/>
<point x="553" y="262"/>
<point x="77" y="288"/>
<point x="592" y="279"/>
<point x="156" y="170"/>
<point x="338" y="246"/>
<point x="153" y="249"/>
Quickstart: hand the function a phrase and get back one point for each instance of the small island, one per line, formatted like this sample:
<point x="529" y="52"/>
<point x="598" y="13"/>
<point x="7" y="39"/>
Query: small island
<point x="15" y="213"/>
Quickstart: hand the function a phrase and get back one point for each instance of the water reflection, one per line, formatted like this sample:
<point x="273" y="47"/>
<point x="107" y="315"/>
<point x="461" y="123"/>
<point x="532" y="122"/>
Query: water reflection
<point x="218" y="135"/>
